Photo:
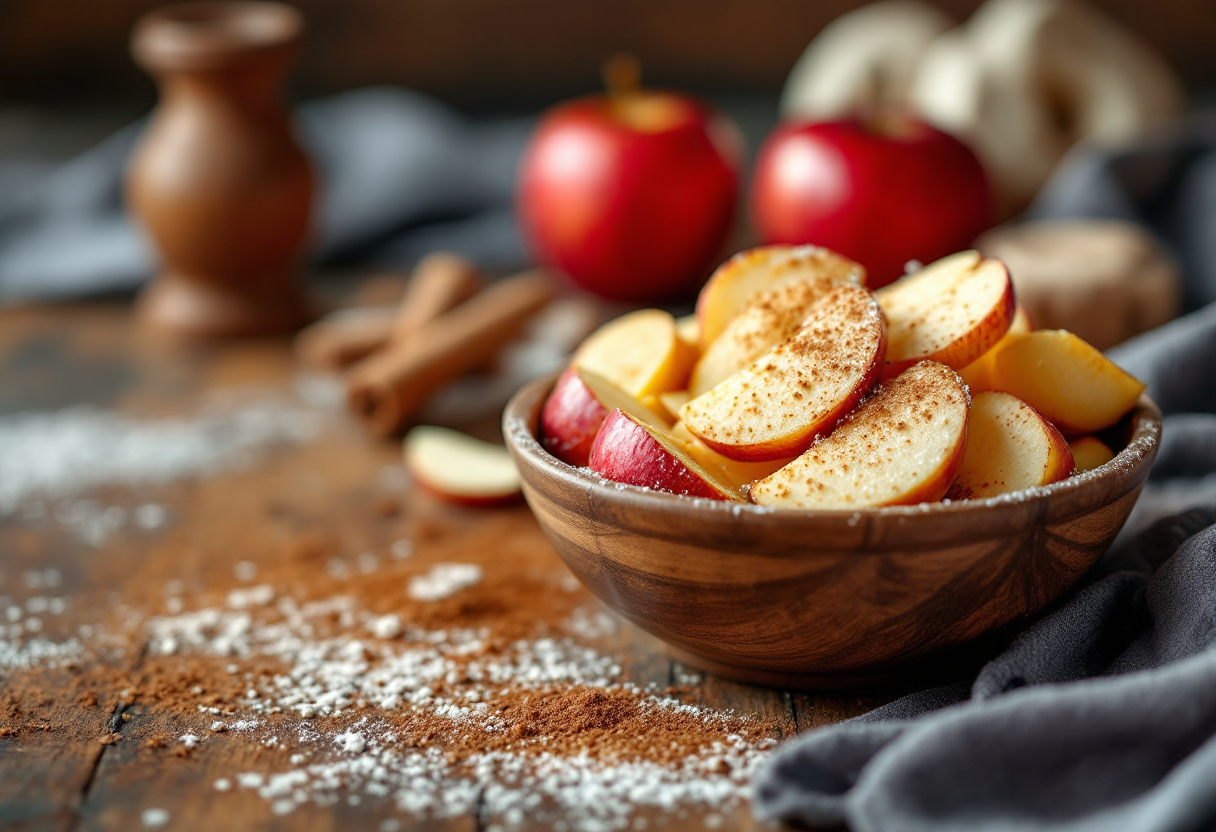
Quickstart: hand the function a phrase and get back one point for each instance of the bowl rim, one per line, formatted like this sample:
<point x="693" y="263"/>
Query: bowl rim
<point x="987" y="517"/>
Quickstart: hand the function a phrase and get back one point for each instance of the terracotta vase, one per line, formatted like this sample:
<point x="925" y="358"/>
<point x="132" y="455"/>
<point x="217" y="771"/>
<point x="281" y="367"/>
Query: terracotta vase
<point x="219" y="181"/>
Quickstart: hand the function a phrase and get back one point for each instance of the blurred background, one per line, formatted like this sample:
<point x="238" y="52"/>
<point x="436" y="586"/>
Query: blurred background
<point x="66" y="76"/>
<point x="427" y="156"/>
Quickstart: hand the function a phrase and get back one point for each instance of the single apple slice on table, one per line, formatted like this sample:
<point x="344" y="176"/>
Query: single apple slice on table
<point x="459" y="468"/>
<point x="774" y="315"/>
<point x="901" y="446"/>
<point x="630" y="452"/>
<point x="1089" y="452"/>
<point x="576" y="409"/>
<point x="639" y="353"/>
<point x="1073" y="385"/>
<point x="1009" y="447"/>
<point x="737" y="282"/>
<point x="978" y="374"/>
<point x="951" y="311"/>
<point x="799" y="389"/>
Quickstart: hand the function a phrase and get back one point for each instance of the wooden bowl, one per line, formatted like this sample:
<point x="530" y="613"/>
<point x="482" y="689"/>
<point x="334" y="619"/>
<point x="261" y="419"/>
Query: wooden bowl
<point x="825" y="598"/>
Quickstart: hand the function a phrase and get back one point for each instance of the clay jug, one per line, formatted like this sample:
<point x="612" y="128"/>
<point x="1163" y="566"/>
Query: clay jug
<point x="218" y="180"/>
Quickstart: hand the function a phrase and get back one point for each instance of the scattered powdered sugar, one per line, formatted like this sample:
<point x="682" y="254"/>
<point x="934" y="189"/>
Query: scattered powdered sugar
<point x="55" y="454"/>
<point x="444" y="580"/>
<point x="370" y="717"/>
<point x="154" y="818"/>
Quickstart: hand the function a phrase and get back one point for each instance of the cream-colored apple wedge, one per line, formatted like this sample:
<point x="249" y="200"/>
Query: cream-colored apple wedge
<point x="457" y="467"/>
<point x="641" y="353"/>
<point x="1089" y="452"/>
<point x="738" y="475"/>
<point x="978" y="374"/>
<point x="1009" y="447"/>
<point x="773" y="316"/>
<point x="952" y="311"/>
<point x="737" y="282"/>
<point x="902" y="445"/>
<point x="798" y="390"/>
<point x="576" y="409"/>
<point x="672" y="401"/>
<point x="1077" y="388"/>
<point x="630" y="452"/>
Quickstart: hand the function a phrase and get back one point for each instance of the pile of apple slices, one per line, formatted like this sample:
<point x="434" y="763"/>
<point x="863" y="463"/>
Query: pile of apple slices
<point x="793" y="386"/>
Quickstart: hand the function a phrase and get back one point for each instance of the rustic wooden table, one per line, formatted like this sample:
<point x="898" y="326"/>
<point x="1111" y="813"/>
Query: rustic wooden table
<point x="82" y="740"/>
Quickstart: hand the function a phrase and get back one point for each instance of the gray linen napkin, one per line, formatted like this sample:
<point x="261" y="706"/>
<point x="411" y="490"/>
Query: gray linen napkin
<point x="1101" y="715"/>
<point x="400" y="176"/>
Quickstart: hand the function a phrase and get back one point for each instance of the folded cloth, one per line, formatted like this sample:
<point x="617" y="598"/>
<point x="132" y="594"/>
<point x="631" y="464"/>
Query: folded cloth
<point x="1166" y="183"/>
<point x="400" y="175"/>
<point x="1101" y="714"/>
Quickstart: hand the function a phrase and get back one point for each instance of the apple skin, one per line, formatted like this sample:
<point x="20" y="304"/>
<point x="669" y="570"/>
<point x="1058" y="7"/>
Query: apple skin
<point x="881" y="191"/>
<point x="626" y="452"/>
<point x="631" y="214"/>
<point x="570" y="420"/>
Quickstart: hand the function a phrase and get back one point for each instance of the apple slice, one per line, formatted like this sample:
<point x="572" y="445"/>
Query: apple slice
<point x="737" y="282"/>
<point x="627" y="451"/>
<point x="639" y="353"/>
<point x="688" y="330"/>
<point x="738" y="475"/>
<point x="1088" y="453"/>
<point x="681" y="433"/>
<point x="1009" y="447"/>
<point x="797" y="391"/>
<point x="775" y="315"/>
<point x="459" y="468"/>
<point x="1072" y="384"/>
<point x="978" y="374"/>
<point x="576" y="409"/>
<point x="672" y="401"/>
<point x="901" y="446"/>
<point x="952" y="311"/>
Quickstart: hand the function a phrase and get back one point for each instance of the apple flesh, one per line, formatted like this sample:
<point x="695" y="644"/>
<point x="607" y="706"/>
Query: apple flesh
<point x="640" y="352"/>
<point x="737" y="282"/>
<point x="951" y="311"/>
<point x="901" y="446"/>
<point x="632" y="196"/>
<point x="775" y="315"/>
<point x="1009" y="447"/>
<point x="882" y="191"/>
<point x="576" y="409"/>
<point x="1073" y="385"/>
<point x="738" y="475"/>
<point x="978" y="374"/>
<point x="1089" y="452"/>
<point x="797" y="391"/>
<point x="629" y="452"/>
<point x="459" y="468"/>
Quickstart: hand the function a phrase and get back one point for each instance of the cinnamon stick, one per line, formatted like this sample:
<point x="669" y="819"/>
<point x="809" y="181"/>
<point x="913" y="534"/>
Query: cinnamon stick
<point x="386" y="388"/>
<point x="339" y="340"/>
<point x="440" y="282"/>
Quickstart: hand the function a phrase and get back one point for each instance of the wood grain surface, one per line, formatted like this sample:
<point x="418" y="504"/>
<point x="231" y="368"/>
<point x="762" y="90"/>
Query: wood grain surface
<point x="77" y="751"/>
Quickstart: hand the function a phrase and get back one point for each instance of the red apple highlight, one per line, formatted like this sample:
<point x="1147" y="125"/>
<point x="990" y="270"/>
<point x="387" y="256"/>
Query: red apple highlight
<point x="633" y="194"/>
<point x="882" y="191"/>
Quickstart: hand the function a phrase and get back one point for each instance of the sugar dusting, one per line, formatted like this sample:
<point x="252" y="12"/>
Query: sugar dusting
<point x="57" y="454"/>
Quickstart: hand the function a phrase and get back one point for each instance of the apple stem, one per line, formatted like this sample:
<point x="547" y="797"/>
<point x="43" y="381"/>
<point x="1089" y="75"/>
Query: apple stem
<point x="622" y="74"/>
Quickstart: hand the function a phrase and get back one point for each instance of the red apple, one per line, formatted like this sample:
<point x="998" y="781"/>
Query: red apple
<point x="882" y="190"/>
<point x="632" y="194"/>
